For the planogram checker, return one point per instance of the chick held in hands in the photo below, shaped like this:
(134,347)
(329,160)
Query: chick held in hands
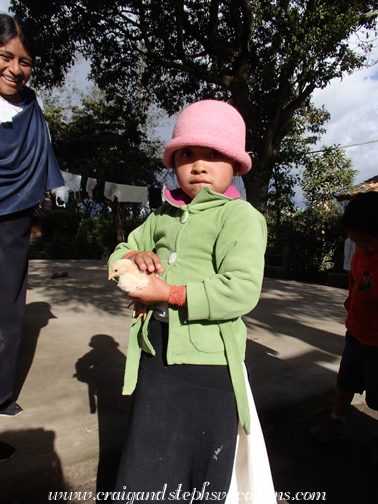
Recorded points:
(130,277)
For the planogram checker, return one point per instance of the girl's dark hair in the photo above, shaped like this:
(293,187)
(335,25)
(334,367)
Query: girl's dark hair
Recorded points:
(11,28)
(361,213)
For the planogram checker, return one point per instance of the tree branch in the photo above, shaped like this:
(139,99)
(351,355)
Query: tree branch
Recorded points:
(368,15)
(180,27)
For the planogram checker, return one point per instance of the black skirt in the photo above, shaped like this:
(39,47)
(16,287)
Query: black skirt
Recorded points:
(14,249)
(182,430)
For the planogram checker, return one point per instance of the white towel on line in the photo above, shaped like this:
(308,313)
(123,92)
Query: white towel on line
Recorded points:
(91,184)
(125,193)
(72,183)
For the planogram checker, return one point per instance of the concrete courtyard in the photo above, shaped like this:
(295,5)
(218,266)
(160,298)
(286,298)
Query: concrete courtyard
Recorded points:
(71,371)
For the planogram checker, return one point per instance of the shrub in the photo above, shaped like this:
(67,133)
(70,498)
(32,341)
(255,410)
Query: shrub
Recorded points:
(66,234)
(312,244)
(130,224)
(94,239)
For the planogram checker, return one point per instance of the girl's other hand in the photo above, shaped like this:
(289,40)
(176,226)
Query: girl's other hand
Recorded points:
(147,261)
(157,291)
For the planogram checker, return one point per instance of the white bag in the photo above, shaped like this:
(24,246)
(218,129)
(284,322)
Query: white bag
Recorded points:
(251,476)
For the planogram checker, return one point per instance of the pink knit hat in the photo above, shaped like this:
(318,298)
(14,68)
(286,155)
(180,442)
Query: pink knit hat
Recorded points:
(210,123)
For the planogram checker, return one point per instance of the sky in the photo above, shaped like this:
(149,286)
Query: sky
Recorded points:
(353,105)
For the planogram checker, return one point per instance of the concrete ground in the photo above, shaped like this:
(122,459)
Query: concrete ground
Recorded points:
(71,371)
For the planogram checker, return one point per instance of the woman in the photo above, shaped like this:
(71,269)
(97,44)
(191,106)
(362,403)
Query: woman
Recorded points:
(27,169)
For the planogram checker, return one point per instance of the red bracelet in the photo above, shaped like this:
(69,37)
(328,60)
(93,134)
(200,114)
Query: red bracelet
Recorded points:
(176,295)
(130,254)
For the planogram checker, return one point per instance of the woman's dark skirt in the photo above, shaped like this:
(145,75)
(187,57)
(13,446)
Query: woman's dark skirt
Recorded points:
(182,429)
(14,250)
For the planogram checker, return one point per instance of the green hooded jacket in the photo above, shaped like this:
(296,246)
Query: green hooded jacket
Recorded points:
(215,247)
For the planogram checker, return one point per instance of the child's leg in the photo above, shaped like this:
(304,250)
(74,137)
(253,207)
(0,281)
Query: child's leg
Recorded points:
(334,427)
(350,379)
(371,379)
(358,372)
(341,403)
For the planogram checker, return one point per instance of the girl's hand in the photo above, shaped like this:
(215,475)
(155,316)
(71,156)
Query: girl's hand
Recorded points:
(157,291)
(147,261)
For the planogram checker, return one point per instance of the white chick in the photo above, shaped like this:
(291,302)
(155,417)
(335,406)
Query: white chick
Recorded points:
(130,277)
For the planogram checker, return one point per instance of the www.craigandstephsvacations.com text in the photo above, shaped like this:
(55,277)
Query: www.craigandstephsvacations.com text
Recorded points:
(177,495)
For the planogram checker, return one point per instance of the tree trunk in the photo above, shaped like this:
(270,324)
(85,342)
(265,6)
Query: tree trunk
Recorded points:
(257,182)
(117,220)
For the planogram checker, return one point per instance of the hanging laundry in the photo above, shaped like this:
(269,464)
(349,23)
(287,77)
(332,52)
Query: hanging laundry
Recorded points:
(110,190)
(91,184)
(72,183)
(349,248)
(125,193)
(61,196)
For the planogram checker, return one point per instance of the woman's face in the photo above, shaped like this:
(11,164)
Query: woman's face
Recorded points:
(15,68)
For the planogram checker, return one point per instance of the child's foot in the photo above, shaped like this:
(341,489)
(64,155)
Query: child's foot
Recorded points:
(333,428)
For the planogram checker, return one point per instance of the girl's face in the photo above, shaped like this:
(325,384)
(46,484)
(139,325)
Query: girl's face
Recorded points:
(197,167)
(15,68)
(366,242)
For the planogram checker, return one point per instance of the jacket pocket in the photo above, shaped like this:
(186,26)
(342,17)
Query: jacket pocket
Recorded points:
(205,336)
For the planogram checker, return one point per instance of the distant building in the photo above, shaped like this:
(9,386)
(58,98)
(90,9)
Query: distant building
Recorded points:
(369,185)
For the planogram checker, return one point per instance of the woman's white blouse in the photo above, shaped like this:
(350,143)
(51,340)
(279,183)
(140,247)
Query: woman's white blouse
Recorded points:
(9,109)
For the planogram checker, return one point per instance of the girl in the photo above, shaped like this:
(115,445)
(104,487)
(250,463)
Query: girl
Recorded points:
(27,169)
(207,247)
(359,364)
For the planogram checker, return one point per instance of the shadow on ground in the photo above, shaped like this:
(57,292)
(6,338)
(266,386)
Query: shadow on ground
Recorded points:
(295,344)
(102,369)
(86,284)
(34,470)
(37,315)
(296,336)
(342,470)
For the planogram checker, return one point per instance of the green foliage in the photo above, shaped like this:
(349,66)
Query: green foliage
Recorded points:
(104,138)
(94,239)
(325,176)
(267,57)
(65,221)
(130,224)
(108,138)
(295,165)
(312,233)
(67,234)
(312,242)
(280,197)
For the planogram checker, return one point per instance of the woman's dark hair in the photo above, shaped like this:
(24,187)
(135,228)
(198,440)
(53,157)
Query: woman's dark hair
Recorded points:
(361,213)
(11,28)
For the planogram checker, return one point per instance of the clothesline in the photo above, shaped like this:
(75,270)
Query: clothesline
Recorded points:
(345,146)
(124,193)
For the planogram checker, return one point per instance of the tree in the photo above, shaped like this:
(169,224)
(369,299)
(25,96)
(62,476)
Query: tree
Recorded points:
(107,140)
(265,56)
(326,175)
(294,155)
(313,232)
